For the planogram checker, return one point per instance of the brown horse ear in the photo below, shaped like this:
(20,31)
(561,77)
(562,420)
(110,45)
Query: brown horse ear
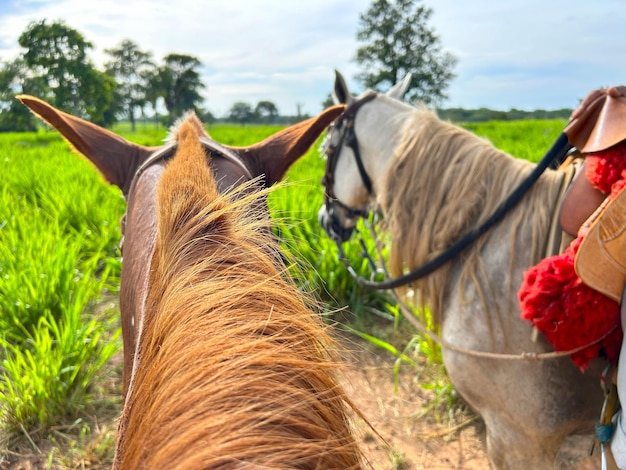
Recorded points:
(116,158)
(274,155)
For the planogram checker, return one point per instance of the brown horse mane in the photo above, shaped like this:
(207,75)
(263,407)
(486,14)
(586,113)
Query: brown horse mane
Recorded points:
(443,181)
(233,370)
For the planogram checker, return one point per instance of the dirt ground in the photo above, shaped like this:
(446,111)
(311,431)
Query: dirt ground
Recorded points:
(418,432)
(406,417)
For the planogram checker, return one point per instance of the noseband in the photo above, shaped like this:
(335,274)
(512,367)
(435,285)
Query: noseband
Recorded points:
(345,126)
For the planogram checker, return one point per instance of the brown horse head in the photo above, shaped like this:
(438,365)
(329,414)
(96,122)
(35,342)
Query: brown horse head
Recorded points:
(136,170)
(231,369)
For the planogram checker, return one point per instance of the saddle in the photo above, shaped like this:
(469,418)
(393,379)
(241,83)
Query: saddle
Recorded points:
(600,262)
(600,120)
(573,297)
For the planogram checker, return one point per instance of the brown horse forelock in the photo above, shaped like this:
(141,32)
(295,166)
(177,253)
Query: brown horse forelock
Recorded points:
(233,369)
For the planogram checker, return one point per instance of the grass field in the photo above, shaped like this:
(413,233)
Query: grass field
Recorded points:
(60,264)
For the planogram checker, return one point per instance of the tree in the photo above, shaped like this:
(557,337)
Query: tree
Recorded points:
(208,117)
(100,98)
(398,41)
(266,110)
(328,101)
(129,66)
(15,79)
(180,83)
(58,54)
(154,90)
(240,112)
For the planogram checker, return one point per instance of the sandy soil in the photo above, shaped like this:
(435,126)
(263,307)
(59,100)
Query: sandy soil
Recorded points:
(419,432)
(407,419)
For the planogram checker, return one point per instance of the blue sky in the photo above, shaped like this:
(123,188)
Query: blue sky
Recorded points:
(524,54)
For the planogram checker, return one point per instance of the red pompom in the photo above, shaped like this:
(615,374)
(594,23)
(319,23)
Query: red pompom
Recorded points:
(617,188)
(569,313)
(552,296)
(604,169)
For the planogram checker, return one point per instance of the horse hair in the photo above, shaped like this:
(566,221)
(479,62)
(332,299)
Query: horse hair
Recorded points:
(233,369)
(465,179)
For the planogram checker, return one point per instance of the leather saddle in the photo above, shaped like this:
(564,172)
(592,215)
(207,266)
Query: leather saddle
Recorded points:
(601,258)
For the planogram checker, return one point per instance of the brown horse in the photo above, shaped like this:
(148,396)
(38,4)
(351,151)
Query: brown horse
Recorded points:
(225,366)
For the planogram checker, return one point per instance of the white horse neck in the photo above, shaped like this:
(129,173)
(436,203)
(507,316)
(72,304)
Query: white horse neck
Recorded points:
(377,126)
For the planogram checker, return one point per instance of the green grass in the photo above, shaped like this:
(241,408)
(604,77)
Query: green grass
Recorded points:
(529,140)
(59,232)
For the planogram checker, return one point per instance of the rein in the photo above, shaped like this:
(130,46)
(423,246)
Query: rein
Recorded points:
(524,355)
(557,152)
(489,355)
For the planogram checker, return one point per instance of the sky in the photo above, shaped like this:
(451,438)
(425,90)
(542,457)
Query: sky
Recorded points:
(524,54)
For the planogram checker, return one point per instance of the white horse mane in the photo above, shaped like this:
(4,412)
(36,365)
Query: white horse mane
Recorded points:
(444,181)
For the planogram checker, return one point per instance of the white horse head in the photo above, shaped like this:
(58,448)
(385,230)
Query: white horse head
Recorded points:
(357,153)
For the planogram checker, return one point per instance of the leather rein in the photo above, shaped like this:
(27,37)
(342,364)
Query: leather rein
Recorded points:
(345,124)
(553,157)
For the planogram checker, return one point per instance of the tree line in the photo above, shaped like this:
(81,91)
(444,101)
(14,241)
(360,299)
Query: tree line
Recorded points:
(485,114)
(56,67)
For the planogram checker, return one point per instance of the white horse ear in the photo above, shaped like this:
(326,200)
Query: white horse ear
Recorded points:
(399,89)
(341,94)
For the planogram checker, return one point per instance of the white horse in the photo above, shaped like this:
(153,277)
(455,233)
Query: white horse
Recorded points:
(434,182)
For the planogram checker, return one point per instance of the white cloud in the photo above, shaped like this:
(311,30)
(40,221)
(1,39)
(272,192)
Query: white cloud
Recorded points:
(532,53)
(520,53)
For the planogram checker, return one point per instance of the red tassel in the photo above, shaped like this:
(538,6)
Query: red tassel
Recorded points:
(569,313)
(604,169)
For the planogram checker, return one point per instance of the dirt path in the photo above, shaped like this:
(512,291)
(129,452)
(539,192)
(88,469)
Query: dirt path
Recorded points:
(406,418)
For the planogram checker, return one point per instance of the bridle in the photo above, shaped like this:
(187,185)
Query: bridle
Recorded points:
(166,152)
(345,126)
